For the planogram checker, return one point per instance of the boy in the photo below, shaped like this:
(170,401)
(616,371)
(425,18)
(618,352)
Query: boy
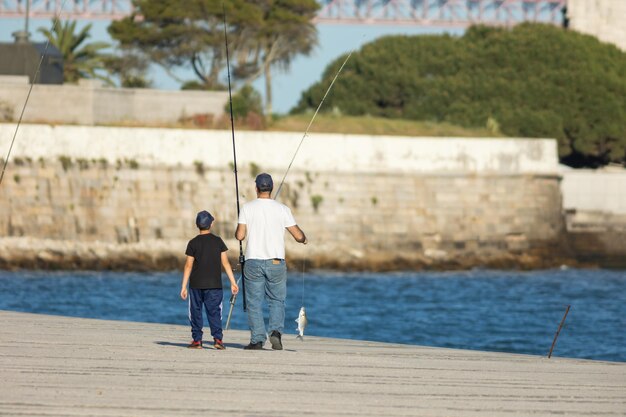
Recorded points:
(202,272)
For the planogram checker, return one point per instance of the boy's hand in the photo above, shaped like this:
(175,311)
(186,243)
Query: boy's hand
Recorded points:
(183,293)
(234,288)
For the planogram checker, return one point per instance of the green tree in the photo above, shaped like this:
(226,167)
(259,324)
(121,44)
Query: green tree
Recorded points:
(80,59)
(287,30)
(261,34)
(129,67)
(176,33)
(247,100)
(532,81)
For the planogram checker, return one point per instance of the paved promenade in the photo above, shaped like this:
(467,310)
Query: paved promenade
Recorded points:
(60,366)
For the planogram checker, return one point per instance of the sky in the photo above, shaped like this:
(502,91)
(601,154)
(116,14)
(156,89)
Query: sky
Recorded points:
(333,41)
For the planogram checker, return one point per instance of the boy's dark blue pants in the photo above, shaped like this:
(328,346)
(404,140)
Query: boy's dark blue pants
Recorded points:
(212,301)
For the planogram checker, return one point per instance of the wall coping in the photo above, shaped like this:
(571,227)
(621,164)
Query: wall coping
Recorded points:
(274,150)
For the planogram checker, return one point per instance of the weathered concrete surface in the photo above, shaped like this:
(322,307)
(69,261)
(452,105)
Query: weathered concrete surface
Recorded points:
(272,151)
(601,18)
(89,103)
(594,190)
(595,215)
(58,366)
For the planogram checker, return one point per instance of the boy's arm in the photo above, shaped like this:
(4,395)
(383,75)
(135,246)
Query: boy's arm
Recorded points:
(234,288)
(186,274)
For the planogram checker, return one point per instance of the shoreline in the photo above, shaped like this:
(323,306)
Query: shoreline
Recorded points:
(159,255)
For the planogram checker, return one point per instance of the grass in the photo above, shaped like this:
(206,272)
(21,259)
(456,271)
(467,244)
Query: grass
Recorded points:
(367,125)
(328,123)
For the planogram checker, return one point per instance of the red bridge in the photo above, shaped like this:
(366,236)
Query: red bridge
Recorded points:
(458,13)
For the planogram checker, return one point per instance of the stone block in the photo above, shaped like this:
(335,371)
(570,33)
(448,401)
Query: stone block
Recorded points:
(517,242)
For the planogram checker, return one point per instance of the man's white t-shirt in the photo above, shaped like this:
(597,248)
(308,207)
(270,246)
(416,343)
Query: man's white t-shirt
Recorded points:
(265,220)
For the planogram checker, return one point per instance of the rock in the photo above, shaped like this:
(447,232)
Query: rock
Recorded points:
(436,254)
(151,255)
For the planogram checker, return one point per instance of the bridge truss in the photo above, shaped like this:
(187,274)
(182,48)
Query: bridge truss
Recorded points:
(72,9)
(442,12)
(456,13)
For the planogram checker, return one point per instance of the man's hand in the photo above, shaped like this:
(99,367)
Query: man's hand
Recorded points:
(183,293)
(234,288)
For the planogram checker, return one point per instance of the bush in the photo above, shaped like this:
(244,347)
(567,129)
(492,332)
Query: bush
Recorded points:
(531,81)
(197,85)
(245,101)
(6,112)
(193,85)
(136,81)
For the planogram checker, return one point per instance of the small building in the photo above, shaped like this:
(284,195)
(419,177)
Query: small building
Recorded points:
(22,58)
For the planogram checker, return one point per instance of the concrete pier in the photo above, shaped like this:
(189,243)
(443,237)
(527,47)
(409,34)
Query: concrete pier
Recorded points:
(61,366)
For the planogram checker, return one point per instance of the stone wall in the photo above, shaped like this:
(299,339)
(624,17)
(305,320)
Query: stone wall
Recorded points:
(88,103)
(595,211)
(595,190)
(604,19)
(364,202)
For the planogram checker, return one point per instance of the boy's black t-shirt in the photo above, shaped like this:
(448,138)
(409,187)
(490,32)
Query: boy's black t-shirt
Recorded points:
(207,265)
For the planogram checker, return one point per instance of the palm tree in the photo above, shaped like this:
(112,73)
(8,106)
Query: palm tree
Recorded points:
(80,60)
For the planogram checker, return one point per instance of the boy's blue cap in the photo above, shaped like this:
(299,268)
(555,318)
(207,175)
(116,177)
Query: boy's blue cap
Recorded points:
(204,220)
(264,182)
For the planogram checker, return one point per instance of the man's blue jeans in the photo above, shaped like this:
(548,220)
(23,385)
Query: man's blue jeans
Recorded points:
(265,279)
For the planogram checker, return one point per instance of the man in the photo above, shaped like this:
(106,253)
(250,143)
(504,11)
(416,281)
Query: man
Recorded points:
(264,221)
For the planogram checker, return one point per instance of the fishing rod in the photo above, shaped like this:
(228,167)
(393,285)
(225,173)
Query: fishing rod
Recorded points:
(558,331)
(242,258)
(306,132)
(32,83)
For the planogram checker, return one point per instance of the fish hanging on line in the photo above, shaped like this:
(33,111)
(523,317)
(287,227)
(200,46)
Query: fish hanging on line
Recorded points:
(302,322)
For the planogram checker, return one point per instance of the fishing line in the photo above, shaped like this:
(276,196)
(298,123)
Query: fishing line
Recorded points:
(30,89)
(306,132)
(303,266)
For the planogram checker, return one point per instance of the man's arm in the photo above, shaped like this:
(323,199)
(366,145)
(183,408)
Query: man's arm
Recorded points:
(240,233)
(186,273)
(297,234)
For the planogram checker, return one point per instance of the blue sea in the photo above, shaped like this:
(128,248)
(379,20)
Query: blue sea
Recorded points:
(489,310)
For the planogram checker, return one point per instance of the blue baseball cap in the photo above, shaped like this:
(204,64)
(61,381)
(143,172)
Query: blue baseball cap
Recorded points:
(264,182)
(204,220)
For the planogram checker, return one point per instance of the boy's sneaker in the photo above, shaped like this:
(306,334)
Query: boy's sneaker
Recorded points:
(196,344)
(275,340)
(217,344)
(254,346)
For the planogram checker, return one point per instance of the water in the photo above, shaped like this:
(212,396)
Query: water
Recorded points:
(484,310)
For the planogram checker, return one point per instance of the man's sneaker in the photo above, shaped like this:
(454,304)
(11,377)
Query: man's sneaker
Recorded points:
(254,346)
(275,340)
(217,344)
(196,344)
